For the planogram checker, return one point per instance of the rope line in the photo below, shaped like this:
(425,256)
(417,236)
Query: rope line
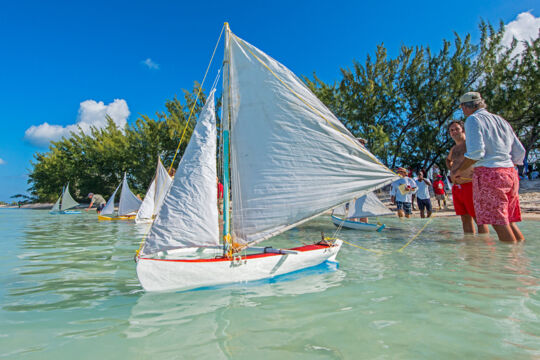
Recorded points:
(390,252)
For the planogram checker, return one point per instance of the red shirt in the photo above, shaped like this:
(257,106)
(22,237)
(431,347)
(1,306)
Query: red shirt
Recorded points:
(438,187)
(219,190)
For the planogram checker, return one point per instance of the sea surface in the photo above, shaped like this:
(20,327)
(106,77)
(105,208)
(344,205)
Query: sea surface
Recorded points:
(69,290)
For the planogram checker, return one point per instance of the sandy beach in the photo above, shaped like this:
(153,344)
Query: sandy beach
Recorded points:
(529,197)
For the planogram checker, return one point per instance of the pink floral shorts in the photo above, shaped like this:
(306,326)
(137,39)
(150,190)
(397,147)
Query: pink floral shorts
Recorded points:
(495,195)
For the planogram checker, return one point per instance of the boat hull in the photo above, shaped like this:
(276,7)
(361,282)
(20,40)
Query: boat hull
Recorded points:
(357,225)
(113,218)
(65,212)
(165,274)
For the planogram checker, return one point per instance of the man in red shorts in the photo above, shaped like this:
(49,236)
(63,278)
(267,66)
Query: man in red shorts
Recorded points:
(494,149)
(462,188)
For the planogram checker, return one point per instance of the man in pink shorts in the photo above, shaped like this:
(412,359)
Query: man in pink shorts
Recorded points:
(462,189)
(494,149)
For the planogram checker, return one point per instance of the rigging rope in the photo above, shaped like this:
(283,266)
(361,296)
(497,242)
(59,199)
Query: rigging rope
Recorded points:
(197,98)
(349,138)
(390,252)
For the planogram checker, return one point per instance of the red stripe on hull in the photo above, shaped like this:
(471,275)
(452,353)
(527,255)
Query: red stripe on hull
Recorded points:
(247,257)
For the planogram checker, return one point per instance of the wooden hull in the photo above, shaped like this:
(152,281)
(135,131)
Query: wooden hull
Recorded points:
(356,225)
(113,218)
(192,272)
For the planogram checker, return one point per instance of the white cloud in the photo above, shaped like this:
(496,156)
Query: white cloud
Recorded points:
(524,28)
(91,114)
(151,64)
(2,162)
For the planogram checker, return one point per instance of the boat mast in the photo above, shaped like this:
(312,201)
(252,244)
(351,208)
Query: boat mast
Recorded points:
(225,152)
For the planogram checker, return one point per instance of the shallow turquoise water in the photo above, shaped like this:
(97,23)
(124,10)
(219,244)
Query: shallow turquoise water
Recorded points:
(68,289)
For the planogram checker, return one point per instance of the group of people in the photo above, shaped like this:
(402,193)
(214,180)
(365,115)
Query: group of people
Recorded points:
(482,164)
(404,191)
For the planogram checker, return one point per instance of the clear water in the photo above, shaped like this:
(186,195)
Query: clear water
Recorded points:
(68,289)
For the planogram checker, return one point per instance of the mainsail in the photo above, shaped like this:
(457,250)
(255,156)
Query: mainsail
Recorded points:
(129,203)
(291,158)
(189,213)
(67,201)
(155,194)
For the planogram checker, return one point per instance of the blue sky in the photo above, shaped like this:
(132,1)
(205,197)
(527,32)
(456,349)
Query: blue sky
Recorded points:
(70,62)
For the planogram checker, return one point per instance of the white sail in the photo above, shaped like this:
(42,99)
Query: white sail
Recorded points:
(189,214)
(109,207)
(67,201)
(56,206)
(291,158)
(155,194)
(163,182)
(147,206)
(129,203)
(366,206)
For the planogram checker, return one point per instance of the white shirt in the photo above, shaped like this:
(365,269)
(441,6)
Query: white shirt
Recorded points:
(491,141)
(394,191)
(423,190)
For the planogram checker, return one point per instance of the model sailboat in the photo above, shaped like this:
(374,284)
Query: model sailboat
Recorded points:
(154,196)
(366,206)
(128,207)
(64,203)
(290,161)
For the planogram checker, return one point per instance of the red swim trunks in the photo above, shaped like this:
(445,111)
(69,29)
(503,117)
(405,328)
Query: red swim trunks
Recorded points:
(462,195)
(495,195)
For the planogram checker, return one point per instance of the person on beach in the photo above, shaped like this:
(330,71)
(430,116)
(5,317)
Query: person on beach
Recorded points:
(96,199)
(401,193)
(462,189)
(438,189)
(493,148)
(220,195)
(423,198)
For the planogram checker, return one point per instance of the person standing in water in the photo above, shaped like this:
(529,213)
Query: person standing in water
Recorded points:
(462,188)
(493,148)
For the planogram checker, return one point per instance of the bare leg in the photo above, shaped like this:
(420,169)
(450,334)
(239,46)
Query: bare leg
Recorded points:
(483,229)
(517,233)
(429,213)
(400,213)
(505,233)
(422,214)
(468,224)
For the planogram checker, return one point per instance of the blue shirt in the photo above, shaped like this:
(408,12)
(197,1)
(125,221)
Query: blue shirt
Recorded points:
(394,191)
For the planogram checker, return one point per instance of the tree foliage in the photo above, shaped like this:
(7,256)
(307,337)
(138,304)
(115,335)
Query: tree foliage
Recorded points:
(402,106)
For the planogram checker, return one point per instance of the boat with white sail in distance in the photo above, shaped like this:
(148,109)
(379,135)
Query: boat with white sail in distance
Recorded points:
(64,203)
(289,159)
(127,208)
(154,196)
(367,206)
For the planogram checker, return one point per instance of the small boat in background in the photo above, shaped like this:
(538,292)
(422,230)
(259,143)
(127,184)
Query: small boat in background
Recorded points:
(366,206)
(64,202)
(128,207)
(154,196)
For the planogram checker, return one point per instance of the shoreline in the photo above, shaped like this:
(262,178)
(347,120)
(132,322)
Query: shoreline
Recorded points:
(529,199)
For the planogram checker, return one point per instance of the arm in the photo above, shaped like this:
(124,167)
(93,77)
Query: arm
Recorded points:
(449,159)
(91,203)
(518,151)
(474,142)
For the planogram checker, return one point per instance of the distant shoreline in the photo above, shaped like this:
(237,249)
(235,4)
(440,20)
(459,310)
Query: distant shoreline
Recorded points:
(529,198)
